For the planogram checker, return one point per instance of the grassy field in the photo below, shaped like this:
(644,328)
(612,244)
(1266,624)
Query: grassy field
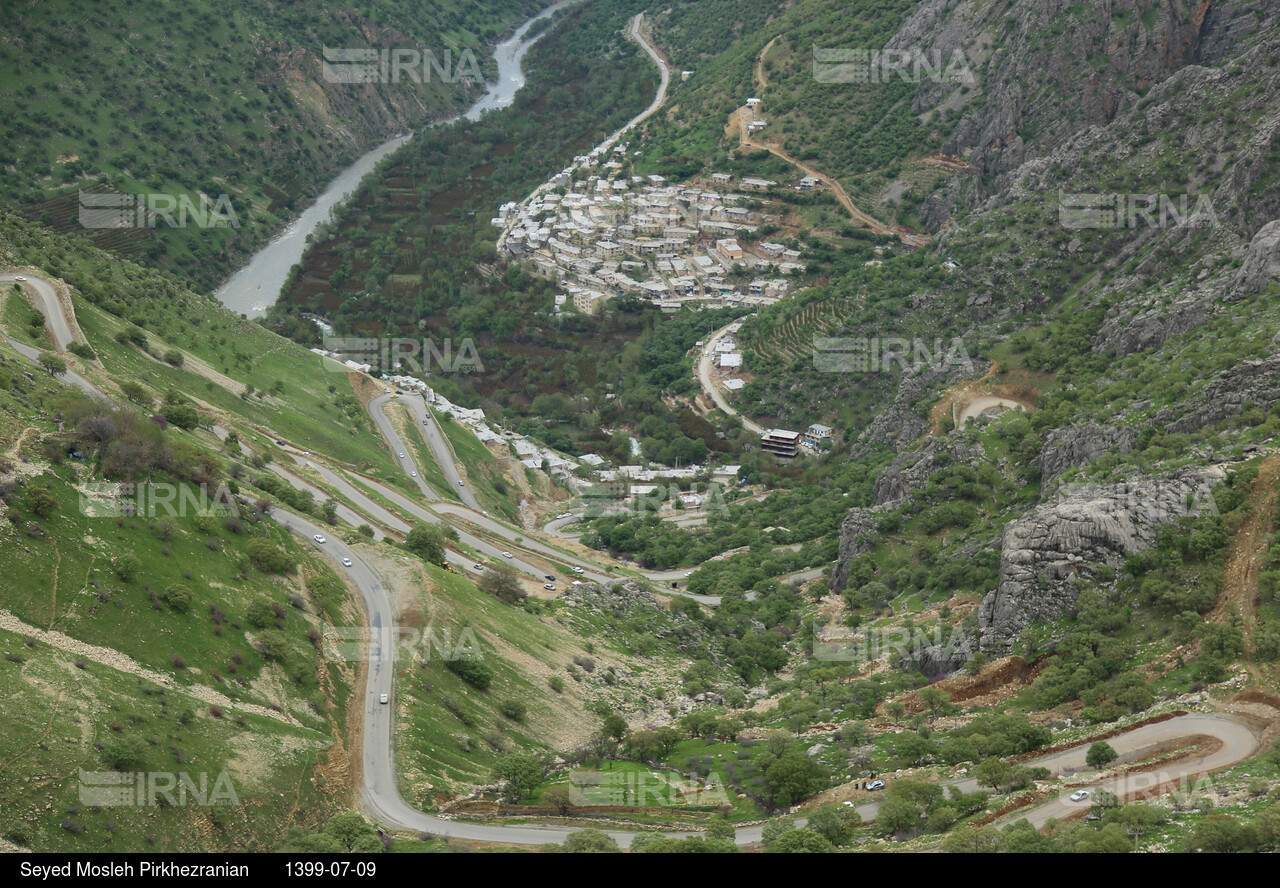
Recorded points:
(260,775)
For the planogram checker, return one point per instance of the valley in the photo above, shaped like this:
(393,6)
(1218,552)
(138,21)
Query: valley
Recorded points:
(884,471)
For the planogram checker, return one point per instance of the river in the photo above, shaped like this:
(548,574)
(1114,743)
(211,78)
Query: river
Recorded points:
(257,285)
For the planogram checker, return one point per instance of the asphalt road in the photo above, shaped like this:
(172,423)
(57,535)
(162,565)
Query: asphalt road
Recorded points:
(380,794)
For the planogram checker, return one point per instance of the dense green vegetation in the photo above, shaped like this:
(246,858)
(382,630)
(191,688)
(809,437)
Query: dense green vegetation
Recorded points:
(221,100)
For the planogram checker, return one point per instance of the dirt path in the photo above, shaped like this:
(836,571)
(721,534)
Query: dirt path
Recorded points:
(1240,576)
(777,151)
(761,81)
(124,663)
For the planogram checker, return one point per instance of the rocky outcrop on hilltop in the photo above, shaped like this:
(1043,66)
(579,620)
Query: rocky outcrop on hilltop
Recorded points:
(1087,526)
(1074,447)
(1031,95)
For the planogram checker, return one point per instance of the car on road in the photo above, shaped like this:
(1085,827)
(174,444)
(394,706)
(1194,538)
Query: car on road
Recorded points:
(281,443)
(550,586)
(577,570)
(346,562)
(484,513)
(876,784)
(401,456)
(688,573)
(506,554)
(478,566)
(18,277)
(383,698)
(549,578)
(1080,795)
(413,474)
(386,391)
(318,538)
(462,483)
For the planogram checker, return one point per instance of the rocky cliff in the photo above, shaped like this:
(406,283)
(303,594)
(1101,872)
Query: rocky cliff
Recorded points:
(1085,526)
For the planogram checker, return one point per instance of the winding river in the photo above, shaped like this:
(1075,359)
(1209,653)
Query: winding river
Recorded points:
(256,286)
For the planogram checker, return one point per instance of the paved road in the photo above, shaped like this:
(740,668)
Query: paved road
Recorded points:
(664,71)
(708,383)
(46,299)
(441,448)
(407,463)
(381,797)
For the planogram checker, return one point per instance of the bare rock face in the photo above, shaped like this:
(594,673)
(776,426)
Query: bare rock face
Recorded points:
(1254,382)
(1261,260)
(1124,332)
(1088,525)
(1077,446)
(617,598)
(856,534)
(910,471)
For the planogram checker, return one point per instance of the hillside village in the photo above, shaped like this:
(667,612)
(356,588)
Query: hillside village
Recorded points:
(605,234)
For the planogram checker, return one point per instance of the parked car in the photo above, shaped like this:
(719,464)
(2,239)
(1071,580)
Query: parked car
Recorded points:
(319,539)
(1080,795)
(549,586)
(876,784)
(346,562)
(383,698)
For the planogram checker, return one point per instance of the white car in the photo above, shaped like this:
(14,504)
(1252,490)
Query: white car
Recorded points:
(18,277)
(1080,795)
(688,573)
(462,484)
(577,570)
(876,784)
(402,456)
(478,566)
(506,554)
(318,538)
(346,562)
(386,391)
(383,698)
(414,474)
(550,586)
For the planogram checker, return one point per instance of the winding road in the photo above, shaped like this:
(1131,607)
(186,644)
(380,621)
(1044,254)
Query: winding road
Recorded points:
(379,792)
